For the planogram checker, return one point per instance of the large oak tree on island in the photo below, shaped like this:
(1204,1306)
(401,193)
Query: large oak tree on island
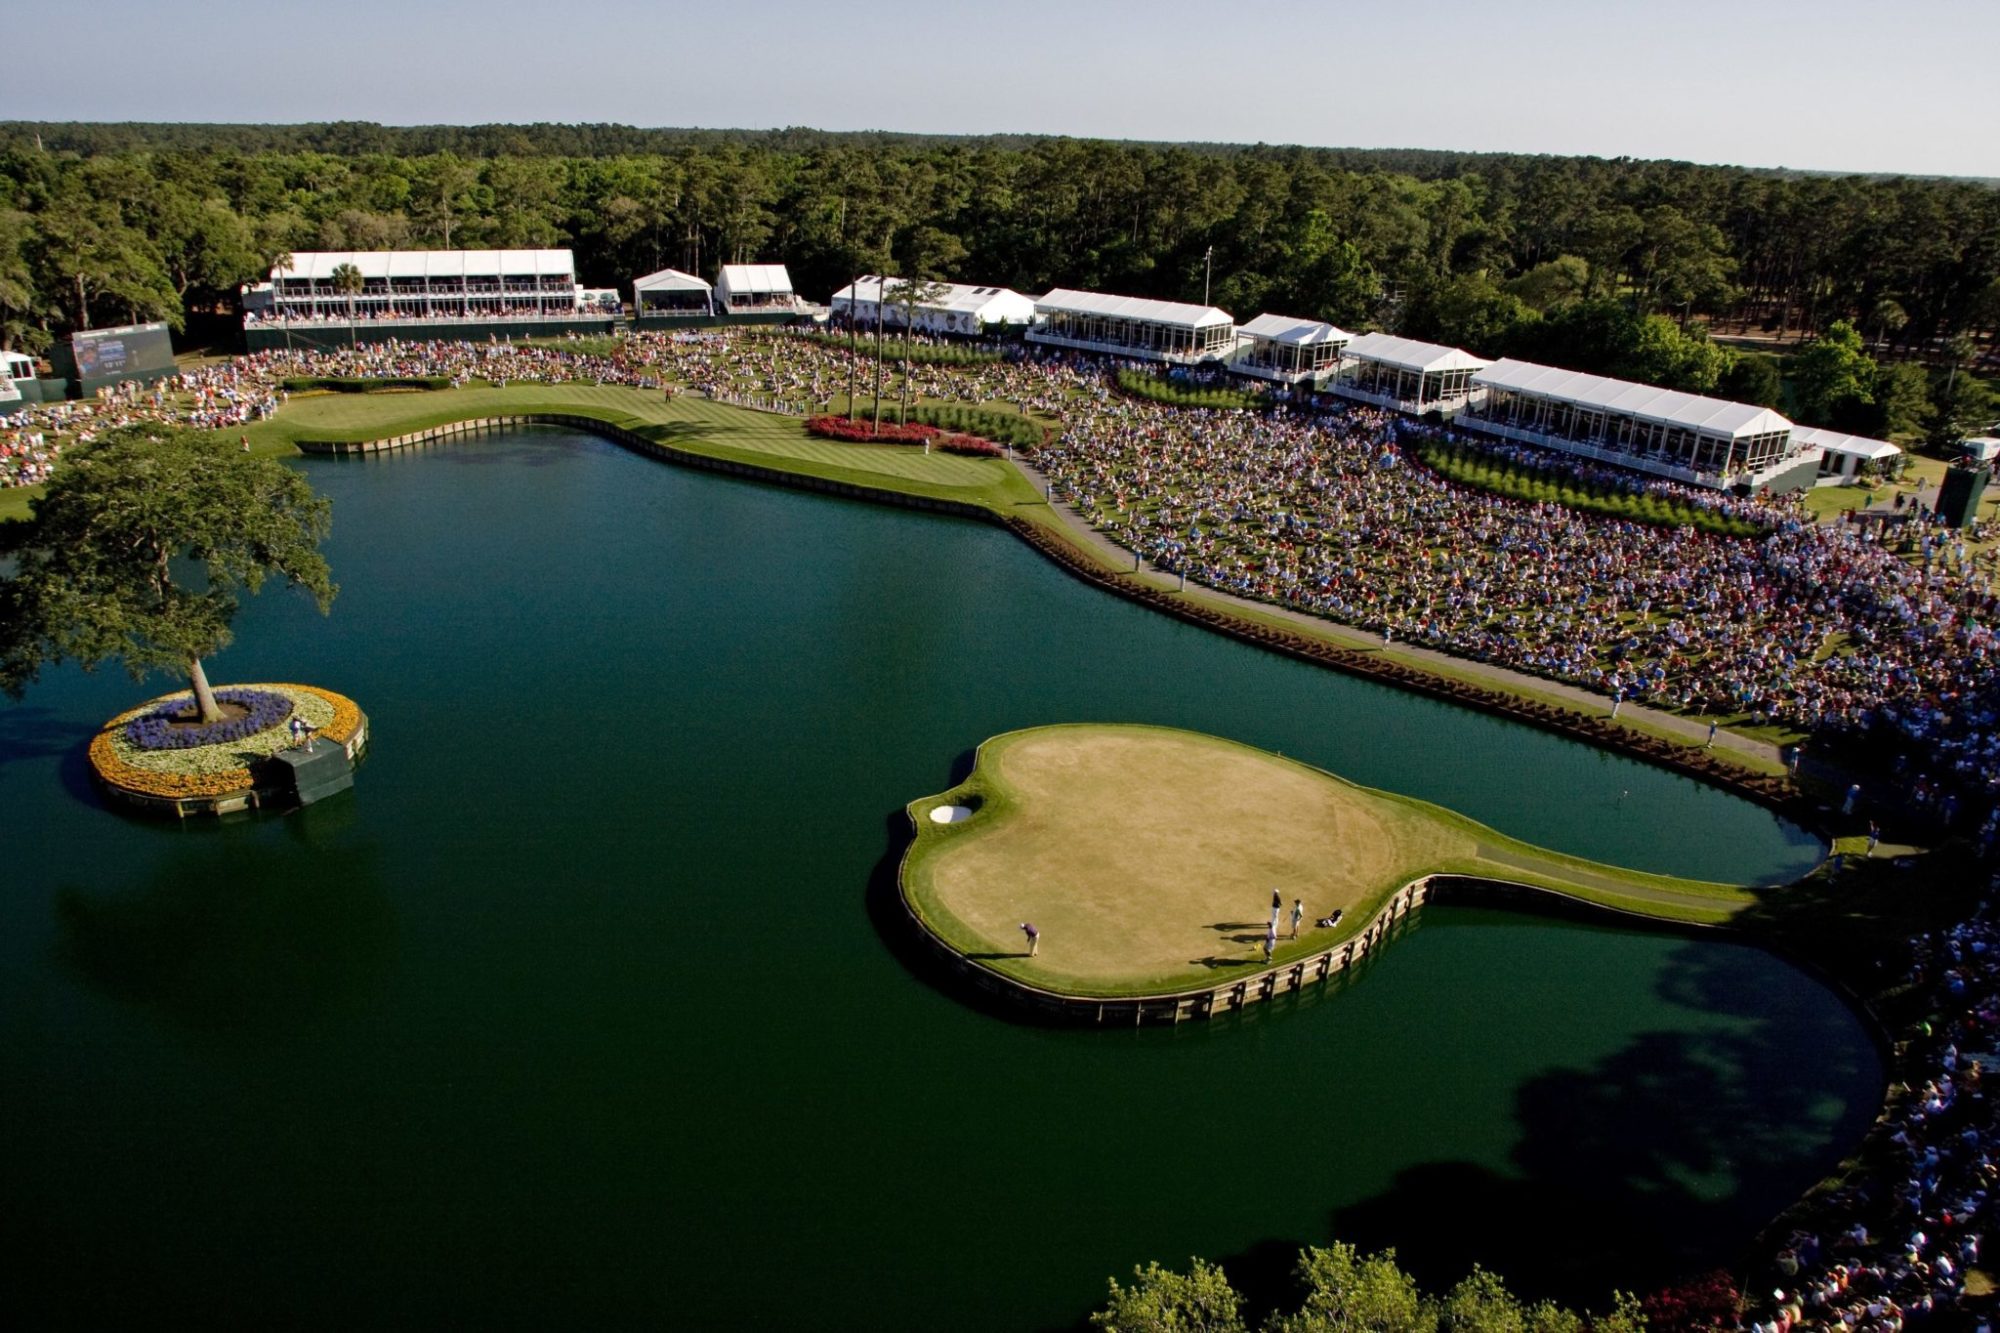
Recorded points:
(139,548)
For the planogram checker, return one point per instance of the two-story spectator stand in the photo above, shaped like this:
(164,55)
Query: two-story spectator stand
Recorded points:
(419,294)
(1689,438)
(1132,326)
(1287,350)
(1404,374)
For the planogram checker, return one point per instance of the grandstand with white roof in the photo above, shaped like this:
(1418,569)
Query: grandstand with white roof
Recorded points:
(1702,441)
(515,291)
(1288,350)
(1132,326)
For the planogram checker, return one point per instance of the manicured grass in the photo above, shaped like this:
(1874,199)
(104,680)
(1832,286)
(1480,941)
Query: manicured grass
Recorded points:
(1147,857)
(1824,500)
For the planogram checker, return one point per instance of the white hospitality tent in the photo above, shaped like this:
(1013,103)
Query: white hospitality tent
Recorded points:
(1279,347)
(755,287)
(1404,373)
(951,307)
(672,292)
(1704,441)
(1842,455)
(1132,326)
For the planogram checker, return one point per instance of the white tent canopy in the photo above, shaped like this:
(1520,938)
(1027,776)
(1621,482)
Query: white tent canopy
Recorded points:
(1408,354)
(951,307)
(670,280)
(765,284)
(1292,332)
(671,293)
(318,265)
(1135,308)
(1858,446)
(1641,402)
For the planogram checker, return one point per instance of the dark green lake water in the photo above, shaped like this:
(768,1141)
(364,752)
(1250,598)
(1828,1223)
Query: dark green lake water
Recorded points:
(574,1011)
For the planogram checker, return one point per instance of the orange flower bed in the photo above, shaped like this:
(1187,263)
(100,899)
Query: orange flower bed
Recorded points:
(118,773)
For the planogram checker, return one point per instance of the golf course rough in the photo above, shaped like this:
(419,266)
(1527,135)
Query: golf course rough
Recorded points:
(1146,857)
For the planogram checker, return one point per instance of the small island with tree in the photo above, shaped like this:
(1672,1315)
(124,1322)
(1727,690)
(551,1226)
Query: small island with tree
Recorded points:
(139,551)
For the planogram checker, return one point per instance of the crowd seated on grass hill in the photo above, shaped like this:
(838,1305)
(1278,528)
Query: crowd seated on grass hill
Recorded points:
(1818,626)
(1905,1236)
(1328,509)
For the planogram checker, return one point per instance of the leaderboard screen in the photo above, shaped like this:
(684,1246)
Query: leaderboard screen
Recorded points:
(111,354)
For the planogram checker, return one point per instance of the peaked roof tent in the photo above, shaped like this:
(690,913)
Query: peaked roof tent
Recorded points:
(1642,402)
(756,280)
(1132,307)
(1409,354)
(670,280)
(318,265)
(1812,437)
(954,296)
(1295,332)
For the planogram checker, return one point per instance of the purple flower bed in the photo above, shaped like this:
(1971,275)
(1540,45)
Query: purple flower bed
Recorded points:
(154,730)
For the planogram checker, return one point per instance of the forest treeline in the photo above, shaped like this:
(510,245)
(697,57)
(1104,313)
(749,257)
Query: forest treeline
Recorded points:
(1616,266)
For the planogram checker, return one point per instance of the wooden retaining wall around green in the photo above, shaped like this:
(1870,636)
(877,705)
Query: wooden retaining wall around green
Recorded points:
(1173,1007)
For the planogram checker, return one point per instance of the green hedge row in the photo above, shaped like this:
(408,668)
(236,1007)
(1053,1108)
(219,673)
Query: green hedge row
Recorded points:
(923,354)
(334,384)
(1476,468)
(1140,384)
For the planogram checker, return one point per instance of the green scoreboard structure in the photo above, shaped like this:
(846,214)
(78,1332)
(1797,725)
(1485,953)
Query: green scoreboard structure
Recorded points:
(102,357)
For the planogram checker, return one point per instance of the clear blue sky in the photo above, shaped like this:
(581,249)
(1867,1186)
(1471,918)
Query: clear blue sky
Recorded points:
(1885,85)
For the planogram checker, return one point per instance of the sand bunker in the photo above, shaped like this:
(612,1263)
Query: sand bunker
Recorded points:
(951,814)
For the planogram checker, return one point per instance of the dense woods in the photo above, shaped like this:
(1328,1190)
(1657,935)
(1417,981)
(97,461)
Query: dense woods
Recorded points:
(1617,266)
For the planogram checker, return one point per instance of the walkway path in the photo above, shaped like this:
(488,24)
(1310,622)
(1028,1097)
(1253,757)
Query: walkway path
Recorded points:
(1429,659)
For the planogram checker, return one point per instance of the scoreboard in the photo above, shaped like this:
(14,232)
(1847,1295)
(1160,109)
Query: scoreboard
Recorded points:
(109,356)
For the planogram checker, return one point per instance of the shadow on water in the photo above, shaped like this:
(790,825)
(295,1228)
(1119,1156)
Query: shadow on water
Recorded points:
(228,937)
(34,733)
(1620,1179)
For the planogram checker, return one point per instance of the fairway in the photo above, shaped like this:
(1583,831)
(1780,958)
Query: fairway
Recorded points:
(1146,857)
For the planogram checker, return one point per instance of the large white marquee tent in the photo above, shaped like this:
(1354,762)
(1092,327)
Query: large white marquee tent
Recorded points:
(1706,441)
(951,307)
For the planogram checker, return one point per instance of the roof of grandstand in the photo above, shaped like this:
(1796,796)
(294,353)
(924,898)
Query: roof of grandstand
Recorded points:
(1812,437)
(954,296)
(670,280)
(1409,354)
(319,265)
(1133,307)
(756,279)
(1642,402)
(1287,329)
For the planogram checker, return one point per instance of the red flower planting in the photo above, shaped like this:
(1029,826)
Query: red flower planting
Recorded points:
(861,432)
